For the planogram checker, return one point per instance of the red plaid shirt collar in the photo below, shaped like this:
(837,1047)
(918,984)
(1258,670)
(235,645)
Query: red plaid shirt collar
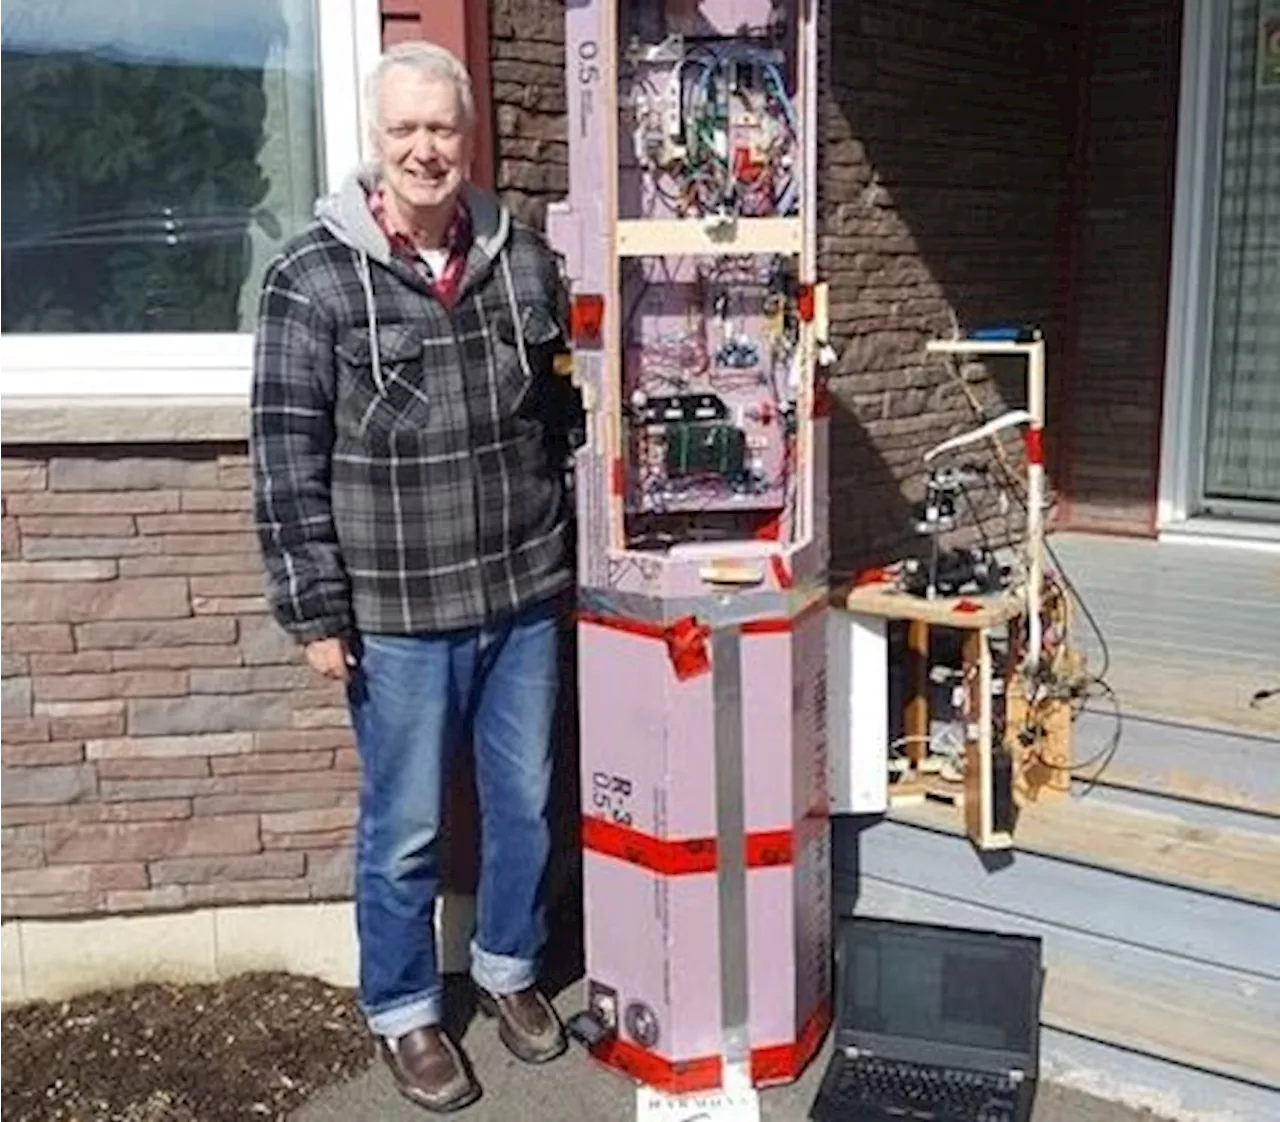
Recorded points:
(457,245)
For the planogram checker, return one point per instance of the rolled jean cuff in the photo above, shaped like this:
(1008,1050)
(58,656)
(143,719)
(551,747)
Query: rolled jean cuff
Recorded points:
(405,1016)
(500,974)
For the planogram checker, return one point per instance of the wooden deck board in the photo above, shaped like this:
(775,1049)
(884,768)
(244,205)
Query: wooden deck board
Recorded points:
(1205,1016)
(1100,902)
(1194,631)
(1137,843)
(1234,769)
(1167,1020)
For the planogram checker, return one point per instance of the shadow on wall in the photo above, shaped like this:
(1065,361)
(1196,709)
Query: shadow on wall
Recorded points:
(948,134)
(944,180)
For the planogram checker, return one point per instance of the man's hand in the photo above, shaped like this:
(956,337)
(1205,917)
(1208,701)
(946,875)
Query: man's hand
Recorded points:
(331,657)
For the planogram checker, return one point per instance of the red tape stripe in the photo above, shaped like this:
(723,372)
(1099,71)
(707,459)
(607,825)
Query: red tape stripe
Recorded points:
(774,847)
(780,571)
(781,625)
(622,623)
(783,1063)
(683,1078)
(774,626)
(765,849)
(1034,442)
(777,1063)
(669,858)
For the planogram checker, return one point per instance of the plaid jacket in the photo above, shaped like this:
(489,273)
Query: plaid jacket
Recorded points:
(404,452)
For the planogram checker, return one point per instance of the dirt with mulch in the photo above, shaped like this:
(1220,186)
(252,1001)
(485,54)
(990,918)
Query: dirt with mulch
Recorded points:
(254,1047)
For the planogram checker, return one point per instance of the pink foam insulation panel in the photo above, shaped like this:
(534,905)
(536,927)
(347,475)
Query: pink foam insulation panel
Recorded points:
(699,346)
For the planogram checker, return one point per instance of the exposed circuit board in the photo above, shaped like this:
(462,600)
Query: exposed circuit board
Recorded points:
(710,344)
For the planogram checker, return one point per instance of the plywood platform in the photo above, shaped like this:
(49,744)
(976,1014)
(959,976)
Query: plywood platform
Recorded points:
(965,612)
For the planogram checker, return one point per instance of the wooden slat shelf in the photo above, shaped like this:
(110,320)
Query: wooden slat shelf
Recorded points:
(965,612)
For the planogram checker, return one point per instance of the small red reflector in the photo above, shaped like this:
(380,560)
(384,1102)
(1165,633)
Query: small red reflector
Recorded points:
(805,303)
(872,576)
(586,319)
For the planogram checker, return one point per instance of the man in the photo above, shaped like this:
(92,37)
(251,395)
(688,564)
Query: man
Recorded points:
(411,510)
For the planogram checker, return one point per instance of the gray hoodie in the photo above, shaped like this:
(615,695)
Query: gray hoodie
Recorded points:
(345,214)
(406,454)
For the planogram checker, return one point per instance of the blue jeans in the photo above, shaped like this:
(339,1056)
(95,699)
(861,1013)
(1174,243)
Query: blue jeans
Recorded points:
(413,701)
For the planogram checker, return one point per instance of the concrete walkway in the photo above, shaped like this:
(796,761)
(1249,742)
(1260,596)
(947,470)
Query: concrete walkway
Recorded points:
(575,1089)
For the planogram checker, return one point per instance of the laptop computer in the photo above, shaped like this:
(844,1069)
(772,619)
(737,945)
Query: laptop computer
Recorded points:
(933,1024)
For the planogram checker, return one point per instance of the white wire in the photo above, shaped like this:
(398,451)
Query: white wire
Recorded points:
(1004,421)
(942,744)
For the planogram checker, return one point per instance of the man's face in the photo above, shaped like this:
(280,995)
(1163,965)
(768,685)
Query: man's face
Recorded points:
(422,141)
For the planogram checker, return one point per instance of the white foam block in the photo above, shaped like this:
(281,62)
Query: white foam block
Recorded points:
(857,713)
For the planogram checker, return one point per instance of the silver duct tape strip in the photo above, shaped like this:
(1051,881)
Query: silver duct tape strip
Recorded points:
(731,865)
(714,610)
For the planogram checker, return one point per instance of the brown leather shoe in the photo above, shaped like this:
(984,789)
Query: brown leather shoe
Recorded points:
(430,1070)
(527,1024)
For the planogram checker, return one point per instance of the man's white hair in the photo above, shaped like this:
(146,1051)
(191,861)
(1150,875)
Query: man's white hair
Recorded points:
(430,60)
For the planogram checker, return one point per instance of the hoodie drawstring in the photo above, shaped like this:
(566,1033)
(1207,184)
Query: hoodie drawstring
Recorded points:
(375,355)
(516,321)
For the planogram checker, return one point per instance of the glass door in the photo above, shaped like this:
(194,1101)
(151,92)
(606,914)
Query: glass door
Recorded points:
(1240,469)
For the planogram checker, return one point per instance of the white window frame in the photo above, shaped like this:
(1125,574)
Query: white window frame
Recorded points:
(205,364)
(1199,141)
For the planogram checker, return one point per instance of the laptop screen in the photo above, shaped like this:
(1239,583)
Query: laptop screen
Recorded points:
(948,987)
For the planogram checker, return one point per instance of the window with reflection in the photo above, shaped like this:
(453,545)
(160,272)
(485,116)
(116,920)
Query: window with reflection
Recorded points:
(154,154)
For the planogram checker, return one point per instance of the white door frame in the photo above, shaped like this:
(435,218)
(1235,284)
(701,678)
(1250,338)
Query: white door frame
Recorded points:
(1205,25)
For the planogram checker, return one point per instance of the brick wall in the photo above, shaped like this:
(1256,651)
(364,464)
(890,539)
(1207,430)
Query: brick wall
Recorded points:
(163,747)
(1121,274)
(527,59)
(948,132)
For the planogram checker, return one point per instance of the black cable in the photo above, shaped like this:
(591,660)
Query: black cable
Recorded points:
(1107,754)
(1067,582)
(1263,695)
(979,520)
(1103,647)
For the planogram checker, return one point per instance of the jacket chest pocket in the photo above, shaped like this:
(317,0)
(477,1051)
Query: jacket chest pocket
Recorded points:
(385,378)
(524,353)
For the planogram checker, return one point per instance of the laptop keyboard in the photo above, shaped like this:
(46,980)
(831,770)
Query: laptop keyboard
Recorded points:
(912,1091)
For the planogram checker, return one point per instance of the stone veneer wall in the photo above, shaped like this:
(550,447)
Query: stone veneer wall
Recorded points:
(163,746)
